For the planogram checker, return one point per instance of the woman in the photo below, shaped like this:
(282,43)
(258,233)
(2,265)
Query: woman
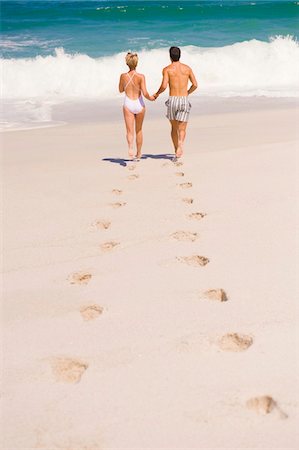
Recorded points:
(133,84)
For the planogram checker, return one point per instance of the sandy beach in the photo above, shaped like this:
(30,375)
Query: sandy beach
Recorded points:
(151,305)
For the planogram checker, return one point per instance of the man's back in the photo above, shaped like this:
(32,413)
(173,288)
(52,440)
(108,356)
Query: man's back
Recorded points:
(178,76)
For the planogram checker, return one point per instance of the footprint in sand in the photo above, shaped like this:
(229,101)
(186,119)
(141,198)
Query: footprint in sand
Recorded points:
(218,295)
(80,278)
(194,260)
(107,246)
(117,191)
(184,236)
(178,163)
(118,205)
(132,167)
(185,185)
(196,215)
(134,176)
(235,342)
(68,370)
(180,174)
(264,404)
(189,201)
(91,312)
(101,225)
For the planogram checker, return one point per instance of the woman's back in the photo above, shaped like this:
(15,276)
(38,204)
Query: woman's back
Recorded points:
(132,85)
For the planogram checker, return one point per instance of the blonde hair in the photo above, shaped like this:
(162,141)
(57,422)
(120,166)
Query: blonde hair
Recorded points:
(132,60)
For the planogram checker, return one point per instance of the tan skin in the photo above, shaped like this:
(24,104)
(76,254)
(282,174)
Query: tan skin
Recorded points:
(177,77)
(134,121)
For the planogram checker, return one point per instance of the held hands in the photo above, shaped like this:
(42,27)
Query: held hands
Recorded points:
(154,97)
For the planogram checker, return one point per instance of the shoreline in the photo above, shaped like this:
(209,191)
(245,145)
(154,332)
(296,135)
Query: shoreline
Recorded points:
(74,112)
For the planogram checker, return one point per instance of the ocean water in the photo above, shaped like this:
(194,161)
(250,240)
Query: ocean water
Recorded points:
(53,51)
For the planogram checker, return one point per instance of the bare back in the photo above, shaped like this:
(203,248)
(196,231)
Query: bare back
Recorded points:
(178,76)
(132,84)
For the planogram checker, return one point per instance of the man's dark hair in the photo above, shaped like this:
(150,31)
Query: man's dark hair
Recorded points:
(175,53)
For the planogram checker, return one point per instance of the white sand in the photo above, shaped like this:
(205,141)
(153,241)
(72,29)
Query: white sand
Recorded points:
(146,372)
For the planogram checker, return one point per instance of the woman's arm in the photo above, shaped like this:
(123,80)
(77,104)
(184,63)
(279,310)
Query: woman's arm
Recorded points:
(121,84)
(144,90)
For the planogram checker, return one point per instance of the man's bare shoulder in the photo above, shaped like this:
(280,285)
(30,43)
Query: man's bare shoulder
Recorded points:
(167,68)
(186,68)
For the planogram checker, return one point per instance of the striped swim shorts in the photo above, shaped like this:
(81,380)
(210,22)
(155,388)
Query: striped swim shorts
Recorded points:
(178,108)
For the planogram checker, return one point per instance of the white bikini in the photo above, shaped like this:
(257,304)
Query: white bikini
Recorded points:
(135,106)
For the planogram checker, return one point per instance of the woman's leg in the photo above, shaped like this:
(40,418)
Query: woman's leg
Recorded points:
(138,129)
(129,121)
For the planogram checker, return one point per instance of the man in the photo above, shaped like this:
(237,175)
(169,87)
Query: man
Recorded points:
(177,75)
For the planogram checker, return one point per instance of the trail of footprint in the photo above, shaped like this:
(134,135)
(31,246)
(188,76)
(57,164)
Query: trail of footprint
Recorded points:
(184,236)
(91,312)
(80,278)
(134,176)
(218,295)
(265,404)
(196,215)
(194,260)
(118,205)
(101,225)
(107,246)
(117,191)
(189,201)
(68,370)
(235,342)
(185,185)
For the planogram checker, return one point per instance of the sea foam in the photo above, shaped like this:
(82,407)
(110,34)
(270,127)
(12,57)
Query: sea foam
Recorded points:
(247,68)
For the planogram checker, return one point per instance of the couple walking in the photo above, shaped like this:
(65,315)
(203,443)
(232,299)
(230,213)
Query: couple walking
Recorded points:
(176,75)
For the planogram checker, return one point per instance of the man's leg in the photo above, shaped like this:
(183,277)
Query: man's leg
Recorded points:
(182,126)
(174,134)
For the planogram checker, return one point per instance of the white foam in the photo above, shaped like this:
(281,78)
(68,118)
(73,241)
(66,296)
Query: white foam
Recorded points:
(248,68)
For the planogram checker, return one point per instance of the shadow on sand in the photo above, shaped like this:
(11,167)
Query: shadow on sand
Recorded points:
(124,162)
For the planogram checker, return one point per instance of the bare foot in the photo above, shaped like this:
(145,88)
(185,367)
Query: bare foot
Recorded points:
(131,153)
(179,150)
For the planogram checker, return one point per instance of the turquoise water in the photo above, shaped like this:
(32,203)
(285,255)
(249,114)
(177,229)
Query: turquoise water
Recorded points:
(54,52)
(99,28)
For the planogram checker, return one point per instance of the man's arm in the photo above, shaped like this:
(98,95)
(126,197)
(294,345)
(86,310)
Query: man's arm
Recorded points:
(164,83)
(193,81)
